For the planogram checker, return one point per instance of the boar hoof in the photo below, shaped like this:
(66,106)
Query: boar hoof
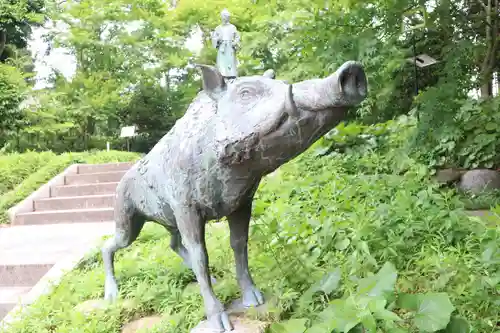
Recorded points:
(220,322)
(252,297)
(110,290)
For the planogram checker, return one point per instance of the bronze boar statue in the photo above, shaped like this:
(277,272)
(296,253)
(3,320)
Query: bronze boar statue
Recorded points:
(210,163)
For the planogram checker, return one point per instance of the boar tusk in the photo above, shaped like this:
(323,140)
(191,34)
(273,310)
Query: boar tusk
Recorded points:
(290,106)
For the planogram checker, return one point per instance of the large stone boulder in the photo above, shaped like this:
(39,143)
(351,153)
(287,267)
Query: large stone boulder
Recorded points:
(479,180)
(142,325)
(450,175)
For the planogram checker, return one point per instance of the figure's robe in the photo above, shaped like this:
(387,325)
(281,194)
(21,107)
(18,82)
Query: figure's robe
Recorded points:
(226,39)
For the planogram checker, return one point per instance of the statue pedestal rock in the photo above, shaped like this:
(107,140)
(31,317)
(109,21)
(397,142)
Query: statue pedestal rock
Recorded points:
(226,40)
(241,323)
(142,324)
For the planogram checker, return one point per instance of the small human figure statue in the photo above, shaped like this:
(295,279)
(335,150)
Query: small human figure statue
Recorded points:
(226,40)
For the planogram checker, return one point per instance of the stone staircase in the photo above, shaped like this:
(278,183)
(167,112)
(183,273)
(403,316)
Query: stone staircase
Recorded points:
(67,218)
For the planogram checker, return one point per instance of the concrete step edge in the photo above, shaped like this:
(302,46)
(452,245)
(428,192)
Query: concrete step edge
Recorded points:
(120,166)
(64,211)
(106,164)
(13,294)
(80,197)
(86,185)
(98,173)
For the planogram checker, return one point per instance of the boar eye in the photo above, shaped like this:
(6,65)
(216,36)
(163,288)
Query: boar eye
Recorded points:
(247,93)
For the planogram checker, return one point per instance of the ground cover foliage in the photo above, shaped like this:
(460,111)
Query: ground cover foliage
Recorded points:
(356,241)
(21,174)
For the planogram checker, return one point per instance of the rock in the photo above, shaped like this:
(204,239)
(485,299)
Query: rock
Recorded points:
(241,325)
(145,323)
(449,175)
(237,308)
(479,180)
(92,305)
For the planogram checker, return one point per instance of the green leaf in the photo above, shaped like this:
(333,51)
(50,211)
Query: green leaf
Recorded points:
(330,281)
(491,126)
(408,301)
(342,314)
(381,283)
(369,323)
(457,325)
(290,326)
(386,315)
(342,244)
(397,330)
(433,312)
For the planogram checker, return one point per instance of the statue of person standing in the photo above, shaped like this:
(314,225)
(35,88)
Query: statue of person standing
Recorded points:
(226,40)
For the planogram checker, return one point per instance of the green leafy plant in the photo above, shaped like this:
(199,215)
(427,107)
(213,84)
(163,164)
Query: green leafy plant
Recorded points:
(458,132)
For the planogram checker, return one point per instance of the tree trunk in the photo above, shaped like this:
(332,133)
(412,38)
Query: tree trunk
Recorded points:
(488,65)
(3,41)
(486,90)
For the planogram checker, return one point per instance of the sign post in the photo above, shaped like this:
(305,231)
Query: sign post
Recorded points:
(128,132)
(416,19)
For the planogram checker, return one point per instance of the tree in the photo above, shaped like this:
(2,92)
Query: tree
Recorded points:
(12,88)
(17,17)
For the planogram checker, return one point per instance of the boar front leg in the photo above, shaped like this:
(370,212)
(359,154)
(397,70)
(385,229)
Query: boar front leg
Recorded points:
(192,229)
(239,222)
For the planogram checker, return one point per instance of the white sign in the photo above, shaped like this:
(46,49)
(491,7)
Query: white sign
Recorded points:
(423,60)
(127,132)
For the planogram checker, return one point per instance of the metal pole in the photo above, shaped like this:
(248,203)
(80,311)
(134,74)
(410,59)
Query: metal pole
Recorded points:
(415,67)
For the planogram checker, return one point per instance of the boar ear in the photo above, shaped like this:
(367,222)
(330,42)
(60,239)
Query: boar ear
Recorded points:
(269,74)
(213,81)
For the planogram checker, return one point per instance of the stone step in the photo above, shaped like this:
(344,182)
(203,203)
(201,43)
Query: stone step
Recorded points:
(35,245)
(4,310)
(12,294)
(78,202)
(65,216)
(106,167)
(10,297)
(33,256)
(94,178)
(83,190)
(22,275)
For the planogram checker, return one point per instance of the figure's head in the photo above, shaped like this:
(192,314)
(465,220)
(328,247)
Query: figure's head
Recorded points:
(225,16)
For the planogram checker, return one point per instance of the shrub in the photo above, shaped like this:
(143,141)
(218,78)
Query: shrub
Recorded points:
(12,88)
(457,132)
(14,168)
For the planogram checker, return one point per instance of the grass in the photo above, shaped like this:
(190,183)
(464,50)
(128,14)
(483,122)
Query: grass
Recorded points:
(343,242)
(21,174)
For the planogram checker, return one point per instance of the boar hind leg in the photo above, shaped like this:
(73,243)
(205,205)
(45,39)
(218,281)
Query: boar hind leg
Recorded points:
(128,225)
(239,222)
(180,249)
(192,229)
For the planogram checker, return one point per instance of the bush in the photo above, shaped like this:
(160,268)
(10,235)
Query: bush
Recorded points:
(42,167)
(12,88)
(335,244)
(456,132)
(358,138)
(14,168)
